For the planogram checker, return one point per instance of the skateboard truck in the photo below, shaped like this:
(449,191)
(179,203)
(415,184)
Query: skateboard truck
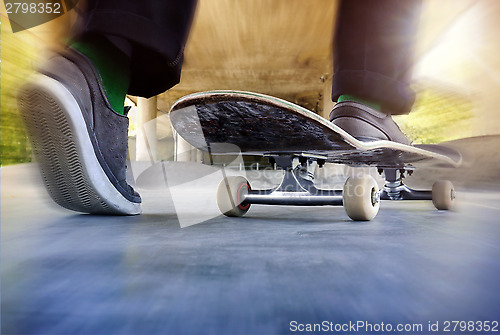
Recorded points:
(395,189)
(297,186)
(360,196)
(442,194)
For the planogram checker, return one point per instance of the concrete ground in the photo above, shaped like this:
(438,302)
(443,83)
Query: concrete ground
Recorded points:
(68,273)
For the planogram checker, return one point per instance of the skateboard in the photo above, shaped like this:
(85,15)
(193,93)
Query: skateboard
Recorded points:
(298,141)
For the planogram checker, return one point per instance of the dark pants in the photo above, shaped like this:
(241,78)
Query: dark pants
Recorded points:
(372,47)
(373,51)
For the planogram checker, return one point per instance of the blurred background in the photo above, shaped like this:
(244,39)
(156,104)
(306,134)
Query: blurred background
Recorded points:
(64,273)
(283,48)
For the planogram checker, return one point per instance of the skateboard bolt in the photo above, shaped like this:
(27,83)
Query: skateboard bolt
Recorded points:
(375,197)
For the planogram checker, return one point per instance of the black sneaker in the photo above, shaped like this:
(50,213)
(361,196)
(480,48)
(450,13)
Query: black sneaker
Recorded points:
(366,123)
(79,141)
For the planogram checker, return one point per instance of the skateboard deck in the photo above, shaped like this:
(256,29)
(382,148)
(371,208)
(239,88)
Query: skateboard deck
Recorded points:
(235,122)
(261,125)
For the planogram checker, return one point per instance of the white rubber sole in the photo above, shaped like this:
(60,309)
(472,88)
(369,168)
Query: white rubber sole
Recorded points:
(71,172)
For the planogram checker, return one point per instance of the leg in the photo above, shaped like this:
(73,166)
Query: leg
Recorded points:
(373,61)
(79,139)
(152,33)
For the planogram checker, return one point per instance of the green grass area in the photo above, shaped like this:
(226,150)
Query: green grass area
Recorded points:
(440,114)
(17,54)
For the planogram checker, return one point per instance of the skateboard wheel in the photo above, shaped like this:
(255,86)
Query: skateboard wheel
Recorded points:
(443,194)
(361,198)
(231,195)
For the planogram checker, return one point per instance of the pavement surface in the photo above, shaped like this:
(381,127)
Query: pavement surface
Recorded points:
(278,270)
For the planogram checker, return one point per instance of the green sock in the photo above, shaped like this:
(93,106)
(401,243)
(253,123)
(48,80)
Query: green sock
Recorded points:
(113,67)
(348,97)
